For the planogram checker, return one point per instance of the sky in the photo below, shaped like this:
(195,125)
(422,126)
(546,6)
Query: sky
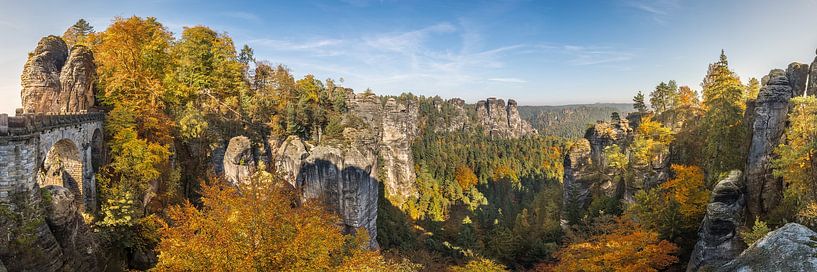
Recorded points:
(536,52)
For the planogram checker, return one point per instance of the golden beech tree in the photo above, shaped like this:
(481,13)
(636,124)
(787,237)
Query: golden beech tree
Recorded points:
(258,227)
(465,177)
(620,246)
(689,191)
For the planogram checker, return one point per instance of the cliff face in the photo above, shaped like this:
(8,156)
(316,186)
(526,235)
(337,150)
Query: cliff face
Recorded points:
(765,191)
(346,173)
(789,248)
(54,81)
(500,120)
(60,241)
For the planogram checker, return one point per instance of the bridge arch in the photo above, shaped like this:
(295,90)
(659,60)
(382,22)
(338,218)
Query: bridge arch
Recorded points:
(62,166)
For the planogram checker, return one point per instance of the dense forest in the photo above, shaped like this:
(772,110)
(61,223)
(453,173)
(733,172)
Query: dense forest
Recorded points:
(602,187)
(570,121)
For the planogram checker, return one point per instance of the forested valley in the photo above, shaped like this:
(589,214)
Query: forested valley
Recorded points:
(218,161)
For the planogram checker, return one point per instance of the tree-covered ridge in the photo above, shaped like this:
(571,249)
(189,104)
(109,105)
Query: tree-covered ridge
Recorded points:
(570,121)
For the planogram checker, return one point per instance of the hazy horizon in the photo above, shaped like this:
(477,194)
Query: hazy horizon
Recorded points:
(538,53)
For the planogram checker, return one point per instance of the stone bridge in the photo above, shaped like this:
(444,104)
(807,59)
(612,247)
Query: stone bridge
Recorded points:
(37,150)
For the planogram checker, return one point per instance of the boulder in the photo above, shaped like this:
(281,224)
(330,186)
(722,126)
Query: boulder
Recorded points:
(792,247)
(239,162)
(41,76)
(718,239)
(764,190)
(77,81)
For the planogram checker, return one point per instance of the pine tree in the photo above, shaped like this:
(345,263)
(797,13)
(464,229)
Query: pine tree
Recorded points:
(723,120)
(77,33)
(638,103)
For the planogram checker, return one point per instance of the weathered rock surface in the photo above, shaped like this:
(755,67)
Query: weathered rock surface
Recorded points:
(41,75)
(239,160)
(399,129)
(289,158)
(79,244)
(77,81)
(719,241)
(60,242)
(500,120)
(578,178)
(792,247)
(797,74)
(812,78)
(54,82)
(343,180)
(764,190)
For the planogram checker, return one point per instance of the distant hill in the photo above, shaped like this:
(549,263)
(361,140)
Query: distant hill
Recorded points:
(570,120)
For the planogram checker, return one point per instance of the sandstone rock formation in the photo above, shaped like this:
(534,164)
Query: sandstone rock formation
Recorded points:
(719,241)
(812,78)
(343,180)
(79,243)
(792,247)
(399,129)
(502,121)
(239,161)
(764,190)
(578,177)
(77,81)
(61,241)
(53,82)
(797,74)
(289,158)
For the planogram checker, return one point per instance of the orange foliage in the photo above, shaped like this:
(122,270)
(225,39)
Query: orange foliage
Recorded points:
(621,246)
(465,177)
(688,190)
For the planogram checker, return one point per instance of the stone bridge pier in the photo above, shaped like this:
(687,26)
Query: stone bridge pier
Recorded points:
(37,150)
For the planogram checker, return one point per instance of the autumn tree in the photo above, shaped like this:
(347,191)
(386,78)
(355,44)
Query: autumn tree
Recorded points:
(797,156)
(257,227)
(619,246)
(753,89)
(688,98)
(722,122)
(465,177)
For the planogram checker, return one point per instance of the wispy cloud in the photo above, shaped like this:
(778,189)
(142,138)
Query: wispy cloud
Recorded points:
(247,16)
(508,80)
(657,10)
(583,55)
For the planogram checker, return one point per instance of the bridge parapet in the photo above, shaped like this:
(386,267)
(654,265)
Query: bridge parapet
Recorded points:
(28,123)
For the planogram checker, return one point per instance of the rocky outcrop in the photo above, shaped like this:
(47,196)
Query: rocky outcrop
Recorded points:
(41,75)
(797,74)
(399,129)
(812,78)
(578,177)
(719,241)
(79,244)
(239,161)
(764,190)
(502,121)
(77,81)
(343,180)
(52,235)
(289,158)
(792,247)
(54,82)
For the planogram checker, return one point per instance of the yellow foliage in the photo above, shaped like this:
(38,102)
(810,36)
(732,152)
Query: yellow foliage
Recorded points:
(623,246)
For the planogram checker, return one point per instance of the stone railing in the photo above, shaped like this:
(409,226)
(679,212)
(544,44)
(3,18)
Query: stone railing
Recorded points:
(28,123)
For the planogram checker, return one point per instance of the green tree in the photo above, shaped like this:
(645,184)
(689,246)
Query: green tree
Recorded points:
(723,127)
(638,103)
(78,33)
(664,97)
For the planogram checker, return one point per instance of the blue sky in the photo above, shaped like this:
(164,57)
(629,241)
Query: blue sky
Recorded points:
(538,52)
